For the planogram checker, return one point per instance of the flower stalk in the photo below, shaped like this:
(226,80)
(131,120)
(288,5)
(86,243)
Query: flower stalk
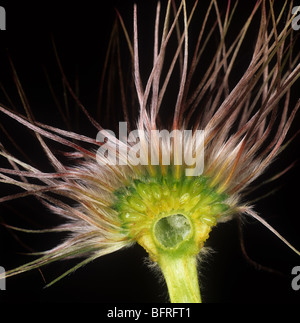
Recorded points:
(181,277)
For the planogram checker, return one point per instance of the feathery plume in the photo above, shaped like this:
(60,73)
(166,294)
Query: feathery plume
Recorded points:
(169,182)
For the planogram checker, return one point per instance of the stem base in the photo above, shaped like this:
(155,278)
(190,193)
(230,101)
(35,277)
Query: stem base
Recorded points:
(181,277)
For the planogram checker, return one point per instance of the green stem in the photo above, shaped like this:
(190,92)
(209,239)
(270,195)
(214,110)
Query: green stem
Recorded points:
(181,277)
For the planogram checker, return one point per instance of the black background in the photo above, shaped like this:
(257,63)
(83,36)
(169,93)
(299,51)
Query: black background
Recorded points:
(81,32)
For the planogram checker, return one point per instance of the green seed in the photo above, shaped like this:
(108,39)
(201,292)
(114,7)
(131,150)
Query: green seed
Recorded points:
(136,203)
(209,220)
(144,191)
(184,198)
(156,191)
